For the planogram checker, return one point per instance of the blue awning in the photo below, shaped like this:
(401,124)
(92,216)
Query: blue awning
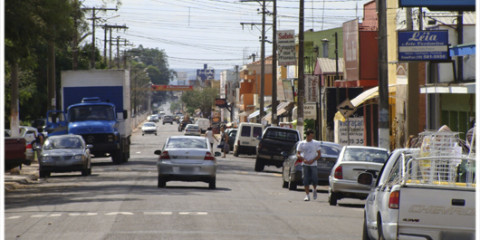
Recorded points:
(462,50)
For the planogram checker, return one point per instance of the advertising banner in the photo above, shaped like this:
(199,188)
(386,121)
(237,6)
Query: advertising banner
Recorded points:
(353,135)
(423,46)
(286,48)
(446,5)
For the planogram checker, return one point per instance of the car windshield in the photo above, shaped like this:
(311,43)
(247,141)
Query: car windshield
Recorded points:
(63,143)
(280,134)
(86,113)
(192,127)
(365,155)
(186,143)
(330,150)
(149,124)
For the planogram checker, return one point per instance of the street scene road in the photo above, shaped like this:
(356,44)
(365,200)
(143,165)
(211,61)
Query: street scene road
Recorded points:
(123,202)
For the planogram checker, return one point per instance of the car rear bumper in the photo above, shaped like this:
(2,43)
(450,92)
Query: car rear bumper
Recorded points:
(182,171)
(349,187)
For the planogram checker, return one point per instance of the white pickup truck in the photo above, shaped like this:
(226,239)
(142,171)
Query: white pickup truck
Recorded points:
(424,198)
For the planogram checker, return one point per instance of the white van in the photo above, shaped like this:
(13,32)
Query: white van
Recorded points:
(247,139)
(203,124)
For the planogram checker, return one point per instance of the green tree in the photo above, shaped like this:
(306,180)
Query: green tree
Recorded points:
(200,98)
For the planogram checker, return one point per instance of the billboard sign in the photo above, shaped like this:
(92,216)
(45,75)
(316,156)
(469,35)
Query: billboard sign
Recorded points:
(205,74)
(446,5)
(351,51)
(423,46)
(286,48)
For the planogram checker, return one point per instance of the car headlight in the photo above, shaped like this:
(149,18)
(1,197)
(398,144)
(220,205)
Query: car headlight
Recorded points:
(78,157)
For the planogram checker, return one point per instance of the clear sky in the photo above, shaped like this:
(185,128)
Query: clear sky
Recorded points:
(197,32)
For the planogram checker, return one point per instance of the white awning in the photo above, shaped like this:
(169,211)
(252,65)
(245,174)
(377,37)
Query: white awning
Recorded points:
(256,113)
(462,88)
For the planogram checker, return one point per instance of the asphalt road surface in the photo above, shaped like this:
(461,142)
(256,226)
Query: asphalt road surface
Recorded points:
(123,202)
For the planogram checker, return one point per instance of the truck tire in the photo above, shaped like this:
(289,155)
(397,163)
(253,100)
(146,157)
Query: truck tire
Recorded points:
(117,157)
(379,228)
(259,165)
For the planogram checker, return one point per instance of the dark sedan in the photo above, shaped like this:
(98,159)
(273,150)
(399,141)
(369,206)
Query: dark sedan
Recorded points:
(65,153)
(292,169)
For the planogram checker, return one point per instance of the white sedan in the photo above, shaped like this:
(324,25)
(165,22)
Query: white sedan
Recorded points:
(352,161)
(187,158)
(149,128)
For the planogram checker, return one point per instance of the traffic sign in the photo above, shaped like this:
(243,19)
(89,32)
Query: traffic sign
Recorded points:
(346,108)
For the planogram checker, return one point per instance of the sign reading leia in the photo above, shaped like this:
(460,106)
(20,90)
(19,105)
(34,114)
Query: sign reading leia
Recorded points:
(423,46)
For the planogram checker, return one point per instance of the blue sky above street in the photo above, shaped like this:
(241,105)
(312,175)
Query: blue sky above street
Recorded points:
(197,32)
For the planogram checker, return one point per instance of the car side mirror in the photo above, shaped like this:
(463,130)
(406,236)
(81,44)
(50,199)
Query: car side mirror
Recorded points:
(158,152)
(89,146)
(365,179)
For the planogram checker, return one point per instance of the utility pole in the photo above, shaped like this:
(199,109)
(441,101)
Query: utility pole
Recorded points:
(262,70)
(301,80)
(274,65)
(262,56)
(106,27)
(383,113)
(94,18)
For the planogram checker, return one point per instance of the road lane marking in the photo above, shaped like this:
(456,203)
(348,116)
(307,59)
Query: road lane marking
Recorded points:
(82,214)
(158,213)
(38,215)
(14,217)
(118,213)
(193,213)
(55,215)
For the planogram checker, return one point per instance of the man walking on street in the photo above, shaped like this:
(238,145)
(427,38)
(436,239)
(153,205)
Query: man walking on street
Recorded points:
(308,151)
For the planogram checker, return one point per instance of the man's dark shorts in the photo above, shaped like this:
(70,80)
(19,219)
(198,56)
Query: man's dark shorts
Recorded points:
(310,175)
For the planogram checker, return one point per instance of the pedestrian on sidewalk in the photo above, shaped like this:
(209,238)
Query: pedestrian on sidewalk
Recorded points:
(224,140)
(308,152)
(211,138)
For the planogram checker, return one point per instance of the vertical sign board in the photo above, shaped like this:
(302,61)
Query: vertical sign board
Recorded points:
(355,134)
(351,50)
(286,47)
(423,46)
(311,88)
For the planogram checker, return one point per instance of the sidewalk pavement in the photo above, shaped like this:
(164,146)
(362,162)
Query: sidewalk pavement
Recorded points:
(19,178)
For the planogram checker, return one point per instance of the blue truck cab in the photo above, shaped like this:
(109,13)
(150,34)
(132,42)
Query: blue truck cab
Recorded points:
(95,105)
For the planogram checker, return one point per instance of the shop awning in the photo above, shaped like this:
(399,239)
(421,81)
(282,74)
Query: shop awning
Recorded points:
(366,95)
(462,88)
(282,108)
(256,113)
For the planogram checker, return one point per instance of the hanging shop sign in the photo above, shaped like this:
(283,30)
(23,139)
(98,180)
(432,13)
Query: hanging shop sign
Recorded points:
(286,48)
(423,46)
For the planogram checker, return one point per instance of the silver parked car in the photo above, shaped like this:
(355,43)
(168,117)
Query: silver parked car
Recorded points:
(187,158)
(193,130)
(352,161)
(65,153)
(292,169)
